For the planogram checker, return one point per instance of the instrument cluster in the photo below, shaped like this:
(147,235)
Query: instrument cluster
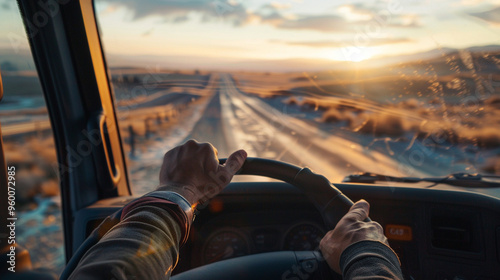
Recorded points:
(232,242)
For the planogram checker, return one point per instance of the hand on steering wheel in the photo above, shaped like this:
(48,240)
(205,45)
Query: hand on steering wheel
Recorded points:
(193,171)
(350,229)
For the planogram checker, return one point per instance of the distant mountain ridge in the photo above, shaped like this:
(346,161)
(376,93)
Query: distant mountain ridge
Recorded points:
(22,61)
(428,55)
(11,60)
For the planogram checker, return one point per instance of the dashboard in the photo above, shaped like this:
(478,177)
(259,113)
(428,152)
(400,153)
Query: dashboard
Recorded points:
(437,234)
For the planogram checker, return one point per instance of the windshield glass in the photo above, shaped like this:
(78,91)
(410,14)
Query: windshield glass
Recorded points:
(403,88)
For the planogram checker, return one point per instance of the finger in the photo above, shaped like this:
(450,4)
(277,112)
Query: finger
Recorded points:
(359,211)
(209,153)
(208,148)
(234,162)
(191,143)
(216,153)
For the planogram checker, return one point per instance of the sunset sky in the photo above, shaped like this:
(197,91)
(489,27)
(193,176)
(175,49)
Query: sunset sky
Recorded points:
(199,32)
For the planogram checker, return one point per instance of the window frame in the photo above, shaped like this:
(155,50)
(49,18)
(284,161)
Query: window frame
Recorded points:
(68,55)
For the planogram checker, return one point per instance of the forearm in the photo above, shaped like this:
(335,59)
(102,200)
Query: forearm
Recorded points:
(144,242)
(370,260)
(144,245)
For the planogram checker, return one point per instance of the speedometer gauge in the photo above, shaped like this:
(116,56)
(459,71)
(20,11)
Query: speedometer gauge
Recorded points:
(225,244)
(303,237)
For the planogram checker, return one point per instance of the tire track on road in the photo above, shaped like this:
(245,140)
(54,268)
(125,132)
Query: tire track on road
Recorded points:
(268,133)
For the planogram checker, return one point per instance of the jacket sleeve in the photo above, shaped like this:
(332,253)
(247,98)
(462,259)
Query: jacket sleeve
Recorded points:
(143,245)
(370,260)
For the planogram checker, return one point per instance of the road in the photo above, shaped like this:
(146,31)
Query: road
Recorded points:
(25,127)
(233,120)
(170,96)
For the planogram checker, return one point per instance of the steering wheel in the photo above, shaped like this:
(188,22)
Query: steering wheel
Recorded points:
(328,200)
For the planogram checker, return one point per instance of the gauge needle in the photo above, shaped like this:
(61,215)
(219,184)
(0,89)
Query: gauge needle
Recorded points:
(228,252)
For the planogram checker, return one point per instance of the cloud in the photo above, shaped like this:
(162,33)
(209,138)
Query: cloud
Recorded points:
(276,6)
(362,12)
(470,2)
(344,19)
(273,14)
(492,16)
(407,20)
(147,33)
(5,5)
(324,23)
(336,44)
(177,11)
(335,23)
(180,18)
(355,12)
(273,18)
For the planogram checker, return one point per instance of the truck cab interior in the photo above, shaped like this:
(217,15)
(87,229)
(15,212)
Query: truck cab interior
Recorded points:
(268,222)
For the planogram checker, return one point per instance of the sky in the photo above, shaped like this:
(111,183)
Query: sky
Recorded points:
(225,33)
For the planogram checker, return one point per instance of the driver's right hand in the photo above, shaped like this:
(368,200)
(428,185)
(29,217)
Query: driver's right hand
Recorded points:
(349,230)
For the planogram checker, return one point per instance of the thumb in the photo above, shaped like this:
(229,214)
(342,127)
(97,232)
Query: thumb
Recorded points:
(360,210)
(234,162)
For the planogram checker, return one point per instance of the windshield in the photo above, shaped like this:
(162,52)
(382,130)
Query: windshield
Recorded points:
(404,88)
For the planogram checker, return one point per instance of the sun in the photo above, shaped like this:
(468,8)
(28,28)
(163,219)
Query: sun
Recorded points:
(359,54)
(359,58)
(353,54)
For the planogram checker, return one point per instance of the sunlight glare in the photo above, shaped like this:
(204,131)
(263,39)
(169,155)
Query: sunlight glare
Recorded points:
(353,54)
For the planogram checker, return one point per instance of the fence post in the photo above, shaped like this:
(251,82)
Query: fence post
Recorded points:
(132,140)
(38,130)
(158,118)
(146,126)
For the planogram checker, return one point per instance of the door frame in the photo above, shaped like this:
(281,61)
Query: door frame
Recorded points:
(68,54)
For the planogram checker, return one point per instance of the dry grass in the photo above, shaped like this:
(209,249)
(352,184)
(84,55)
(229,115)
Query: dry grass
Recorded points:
(486,137)
(381,124)
(35,160)
(293,101)
(333,116)
(451,123)
(492,166)
(410,104)
(316,104)
(493,101)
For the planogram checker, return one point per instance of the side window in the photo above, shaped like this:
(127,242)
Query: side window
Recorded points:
(29,147)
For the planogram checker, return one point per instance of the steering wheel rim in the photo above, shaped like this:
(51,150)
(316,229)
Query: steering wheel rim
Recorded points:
(327,199)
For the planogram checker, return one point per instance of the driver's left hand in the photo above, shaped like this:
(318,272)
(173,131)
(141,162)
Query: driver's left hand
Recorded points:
(193,171)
